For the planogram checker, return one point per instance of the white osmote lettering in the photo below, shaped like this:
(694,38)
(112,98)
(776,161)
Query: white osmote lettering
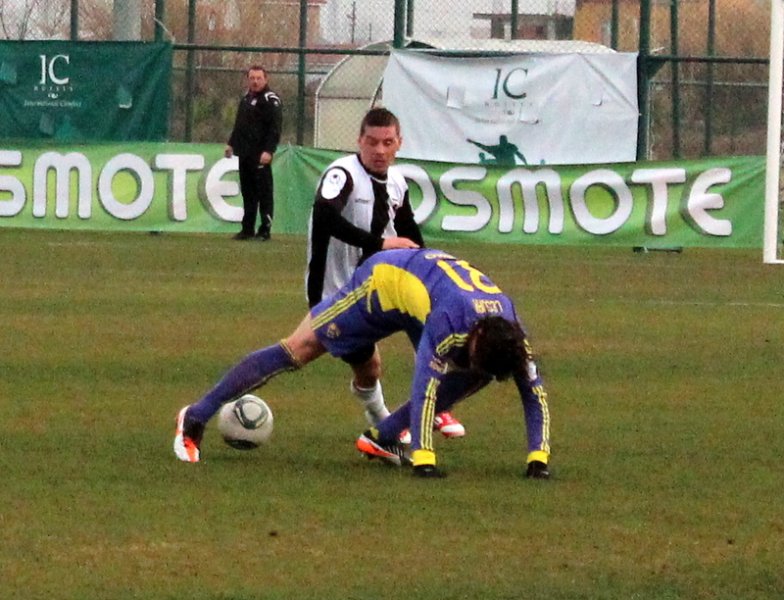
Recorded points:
(701,201)
(484,211)
(10,184)
(216,190)
(617,187)
(522,194)
(528,181)
(333,183)
(659,180)
(141,172)
(62,164)
(179,165)
(65,165)
(538,186)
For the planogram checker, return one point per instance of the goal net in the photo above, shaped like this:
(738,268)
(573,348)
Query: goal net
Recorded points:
(772,237)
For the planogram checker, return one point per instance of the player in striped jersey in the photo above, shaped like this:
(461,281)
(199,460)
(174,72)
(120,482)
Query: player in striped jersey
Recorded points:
(464,329)
(361,207)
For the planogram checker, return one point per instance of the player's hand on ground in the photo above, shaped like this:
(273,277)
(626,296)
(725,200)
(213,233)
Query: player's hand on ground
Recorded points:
(537,470)
(396,243)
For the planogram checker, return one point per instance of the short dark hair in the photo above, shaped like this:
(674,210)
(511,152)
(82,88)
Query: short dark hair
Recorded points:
(499,347)
(256,68)
(379,117)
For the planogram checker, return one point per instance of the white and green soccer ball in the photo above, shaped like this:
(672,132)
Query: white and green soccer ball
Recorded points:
(245,423)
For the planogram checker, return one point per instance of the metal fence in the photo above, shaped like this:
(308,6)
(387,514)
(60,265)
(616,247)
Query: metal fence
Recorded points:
(703,63)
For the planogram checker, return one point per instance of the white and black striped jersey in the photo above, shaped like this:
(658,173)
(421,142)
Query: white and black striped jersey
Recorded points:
(353,212)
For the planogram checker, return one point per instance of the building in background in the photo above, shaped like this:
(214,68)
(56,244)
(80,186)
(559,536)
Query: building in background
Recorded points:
(360,23)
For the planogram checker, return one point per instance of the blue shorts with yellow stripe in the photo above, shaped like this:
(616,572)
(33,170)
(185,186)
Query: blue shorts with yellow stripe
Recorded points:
(353,318)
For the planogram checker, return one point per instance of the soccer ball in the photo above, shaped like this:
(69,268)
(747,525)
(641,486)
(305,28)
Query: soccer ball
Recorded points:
(245,423)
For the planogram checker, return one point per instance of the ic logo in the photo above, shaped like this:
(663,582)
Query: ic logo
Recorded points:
(515,77)
(49,76)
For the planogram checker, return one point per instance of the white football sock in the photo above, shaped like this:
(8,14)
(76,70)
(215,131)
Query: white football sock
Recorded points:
(372,400)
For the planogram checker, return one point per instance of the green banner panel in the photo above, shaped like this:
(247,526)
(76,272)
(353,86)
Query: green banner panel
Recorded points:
(717,202)
(700,203)
(79,91)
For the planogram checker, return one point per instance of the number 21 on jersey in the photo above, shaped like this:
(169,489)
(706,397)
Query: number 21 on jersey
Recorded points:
(467,277)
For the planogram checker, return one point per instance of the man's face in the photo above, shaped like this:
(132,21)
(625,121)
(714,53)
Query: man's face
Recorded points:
(257,80)
(378,147)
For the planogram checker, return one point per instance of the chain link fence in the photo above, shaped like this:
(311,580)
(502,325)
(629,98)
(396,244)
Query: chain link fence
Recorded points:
(705,60)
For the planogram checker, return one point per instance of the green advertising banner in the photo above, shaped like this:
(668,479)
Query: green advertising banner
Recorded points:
(83,91)
(712,202)
(716,202)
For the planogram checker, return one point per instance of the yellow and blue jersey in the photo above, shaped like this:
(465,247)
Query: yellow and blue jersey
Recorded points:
(436,299)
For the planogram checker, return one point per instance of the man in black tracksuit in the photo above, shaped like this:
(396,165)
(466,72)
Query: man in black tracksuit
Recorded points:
(254,140)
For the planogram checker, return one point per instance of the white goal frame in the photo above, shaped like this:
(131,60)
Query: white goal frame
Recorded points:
(773,165)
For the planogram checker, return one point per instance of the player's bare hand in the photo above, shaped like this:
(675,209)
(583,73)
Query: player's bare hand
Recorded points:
(265,158)
(396,243)
(228,152)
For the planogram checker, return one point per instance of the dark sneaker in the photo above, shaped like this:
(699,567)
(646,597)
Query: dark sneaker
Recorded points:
(394,454)
(428,472)
(537,470)
(187,437)
(243,236)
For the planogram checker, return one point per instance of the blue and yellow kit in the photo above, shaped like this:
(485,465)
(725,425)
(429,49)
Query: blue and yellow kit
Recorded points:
(436,299)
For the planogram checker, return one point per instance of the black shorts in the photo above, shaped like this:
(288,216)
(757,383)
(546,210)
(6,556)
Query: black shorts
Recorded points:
(359,356)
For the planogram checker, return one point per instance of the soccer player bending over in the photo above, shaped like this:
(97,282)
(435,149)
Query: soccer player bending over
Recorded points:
(465,331)
(361,207)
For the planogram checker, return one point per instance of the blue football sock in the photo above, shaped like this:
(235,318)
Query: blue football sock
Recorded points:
(251,372)
(452,389)
(390,428)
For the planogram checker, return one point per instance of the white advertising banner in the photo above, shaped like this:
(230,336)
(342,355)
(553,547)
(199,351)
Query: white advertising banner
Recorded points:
(531,109)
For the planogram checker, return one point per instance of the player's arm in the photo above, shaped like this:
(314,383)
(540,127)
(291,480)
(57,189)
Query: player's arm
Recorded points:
(232,141)
(405,225)
(479,145)
(537,420)
(429,370)
(331,198)
(435,390)
(424,392)
(441,378)
(275,124)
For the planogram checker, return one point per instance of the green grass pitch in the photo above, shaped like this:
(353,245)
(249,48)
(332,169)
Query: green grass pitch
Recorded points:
(664,374)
